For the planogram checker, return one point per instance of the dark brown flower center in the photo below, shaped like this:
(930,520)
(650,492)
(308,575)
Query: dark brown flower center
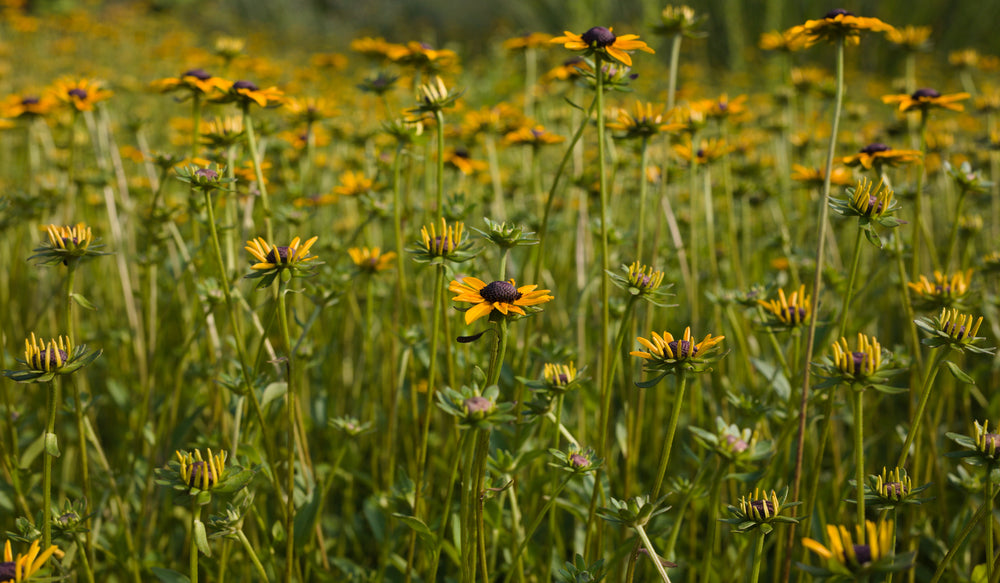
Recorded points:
(795,314)
(682,348)
(838,12)
(199,470)
(207,173)
(858,361)
(49,356)
(894,489)
(863,553)
(957,331)
(763,507)
(925,92)
(246,85)
(279,255)
(991,440)
(579,461)
(599,37)
(875,148)
(7,572)
(199,74)
(500,291)
(78,93)
(30,100)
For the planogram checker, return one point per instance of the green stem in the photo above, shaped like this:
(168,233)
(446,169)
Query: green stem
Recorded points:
(713,506)
(253,555)
(817,291)
(668,443)
(193,558)
(539,517)
(51,402)
(962,537)
(643,187)
(758,555)
(852,278)
(605,259)
(84,559)
(397,228)
(859,459)
(258,172)
(990,555)
(439,186)
(953,236)
(652,553)
(675,54)
(290,405)
(925,393)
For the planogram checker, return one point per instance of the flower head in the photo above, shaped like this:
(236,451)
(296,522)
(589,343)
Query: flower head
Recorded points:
(642,281)
(644,121)
(24,565)
(434,96)
(946,291)
(44,360)
(953,329)
(668,355)
(532,136)
(877,155)
(786,42)
(193,81)
(207,178)
(67,244)
(845,558)
(892,489)
(788,311)
(709,151)
(760,510)
(816,176)
(912,38)
(275,260)
(200,473)
(837,24)
(926,99)
(681,20)
(530,40)
(371,260)
(865,367)
(28,106)
(441,241)
(600,40)
(475,408)
(867,201)
(354,184)
(504,297)
(80,94)
(982,448)
(736,445)
(575,460)
(247,93)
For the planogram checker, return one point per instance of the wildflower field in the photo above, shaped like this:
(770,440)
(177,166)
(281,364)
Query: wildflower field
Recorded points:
(572,306)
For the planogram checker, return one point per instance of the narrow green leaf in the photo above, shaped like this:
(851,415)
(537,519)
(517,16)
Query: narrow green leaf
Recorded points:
(272,392)
(958,373)
(82,302)
(418,526)
(169,575)
(51,444)
(201,538)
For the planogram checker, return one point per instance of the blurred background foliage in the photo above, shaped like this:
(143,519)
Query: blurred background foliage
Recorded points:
(734,25)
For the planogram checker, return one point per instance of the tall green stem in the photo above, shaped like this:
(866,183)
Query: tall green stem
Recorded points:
(193,558)
(675,55)
(652,553)
(290,405)
(859,458)
(50,450)
(852,278)
(258,171)
(925,393)
(439,185)
(643,187)
(758,555)
(668,443)
(817,289)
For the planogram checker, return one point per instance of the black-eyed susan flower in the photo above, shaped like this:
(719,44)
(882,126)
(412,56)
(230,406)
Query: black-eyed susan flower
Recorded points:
(506,235)
(460,159)
(23,566)
(442,241)
(535,136)
(246,93)
(378,83)
(27,106)
(44,360)
(274,260)
(423,57)
(575,460)
(723,108)
(708,151)
(682,20)
(198,472)
(845,559)
(645,120)
(877,155)
(354,184)
(202,476)
(925,99)
(892,489)
(964,58)
(868,201)
(760,510)
(642,281)
(637,511)
(434,96)
(371,47)
(600,40)
(981,449)
(502,297)
(570,69)
(836,25)
(783,41)
(529,40)
(192,81)
(788,311)
(67,244)
(475,408)
(80,94)
(666,355)
(308,110)
(206,178)
(911,38)
(371,260)
(967,179)
(224,132)
(229,48)
(945,291)
(816,177)
(954,329)
(867,366)
(736,445)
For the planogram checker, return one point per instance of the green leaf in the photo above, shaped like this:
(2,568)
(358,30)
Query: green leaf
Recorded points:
(169,575)
(774,376)
(958,373)
(272,392)
(418,526)
(305,519)
(651,382)
(201,538)
(82,302)
(51,444)
(872,236)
